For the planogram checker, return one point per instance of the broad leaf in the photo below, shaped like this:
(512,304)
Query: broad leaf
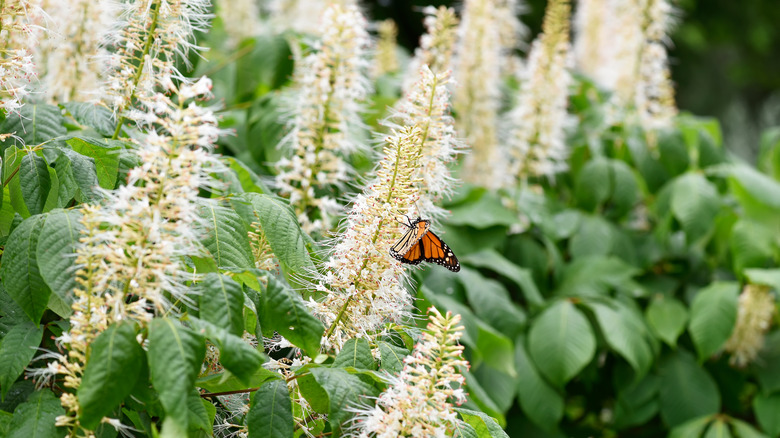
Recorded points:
(695,202)
(713,315)
(36,124)
(492,303)
(222,302)
(104,153)
(110,374)
(20,271)
(35,417)
(344,390)
(484,425)
(766,409)
(35,182)
(175,355)
(356,353)
(17,349)
(271,413)
(687,390)
(235,355)
(492,260)
(93,115)
(226,237)
(667,316)
(624,335)
(285,312)
(56,251)
(691,429)
(540,402)
(392,357)
(561,342)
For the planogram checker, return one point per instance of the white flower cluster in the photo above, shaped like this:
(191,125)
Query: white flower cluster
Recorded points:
(240,19)
(756,309)
(536,140)
(304,16)
(332,87)
(419,401)
(17,70)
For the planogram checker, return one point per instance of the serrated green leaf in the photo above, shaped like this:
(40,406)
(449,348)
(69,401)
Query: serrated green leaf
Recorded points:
(67,182)
(225,236)
(225,382)
(175,355)
(35,417)
(36,124)
(222,302)
(751,244)
(110,374)
(56,251)
(561,342)
(271,413)
(248,179)
(105,154)
(235,355)
(17,349)
(20,271)
(541,403)
(355,353)
(35,182)
(92,115)
(199,420)
(694,203)
(492,260)
(85,175)
(713,315)
(483,424)
(5,423)
(344,390)
(285,312)
(766,409)
(289,243)
(464,430)
(392,357)
(687,390)
(667,316)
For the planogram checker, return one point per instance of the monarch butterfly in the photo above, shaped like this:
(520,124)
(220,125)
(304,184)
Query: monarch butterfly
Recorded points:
(420,244)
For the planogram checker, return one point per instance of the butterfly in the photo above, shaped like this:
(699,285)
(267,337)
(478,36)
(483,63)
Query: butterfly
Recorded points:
(420,244)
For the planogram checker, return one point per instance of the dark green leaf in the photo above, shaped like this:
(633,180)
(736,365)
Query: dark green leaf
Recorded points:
(595,237)
(17,349)
(691,429)
(110,374)
(667,316)
(20,271)
(486,212)
(92,115)
(713,315)
(84,173)
(687,390)
(492,260)
(767,365)
(695,202)
(105,154)
(624,335)
(593,184)
(223,382)
(35,417)
(492,303)
(226,237)
(175,355)
(540,402)
(392,357)
(355,353)
(285,312)
(199,420)
(35,182)
(271,413)
(222,302)
(484,425)
(344,390)
(36,124)
(235,355)
(561,342)
(745,430)
(766,409)
(595,276)
(56,251)
(718,429)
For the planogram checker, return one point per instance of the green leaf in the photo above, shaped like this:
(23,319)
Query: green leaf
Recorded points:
(285,312)
(356,353)
(288,242)
(691,429)
(105,153)
(20,271)
(637,402)
(235,355)
(222,302)
(93,115)
(485,212)
(84,174)
(492,260)
(392,357)
(344,390)
(17,349)
(110,374)
(484,425)
(625,190)
(667,317)
(495,349)
(199,420)
(751,244)
(540,402)
(36,124)
(718,429)
(175,355)
(768,277)
(766,409)
(5,423)
(593,185)
(767,366)
(271,412)
(225,382)
(624,335)
(35,182)
(713,315)
(492,303)
(745,430)
(35,417)
(464,430)
(594,276)
(226,237)
(56,251)
(695,202)
(248,179)
(595,237)
(687,390)
(561,342)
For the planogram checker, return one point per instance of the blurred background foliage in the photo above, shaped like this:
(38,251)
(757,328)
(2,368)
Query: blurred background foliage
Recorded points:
(725,59)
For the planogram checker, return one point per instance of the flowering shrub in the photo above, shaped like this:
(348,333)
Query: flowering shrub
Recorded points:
(198,207)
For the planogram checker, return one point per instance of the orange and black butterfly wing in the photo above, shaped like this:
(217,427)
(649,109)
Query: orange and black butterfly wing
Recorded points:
(434,250)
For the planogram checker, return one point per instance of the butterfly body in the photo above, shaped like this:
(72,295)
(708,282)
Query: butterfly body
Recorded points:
(419,244)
